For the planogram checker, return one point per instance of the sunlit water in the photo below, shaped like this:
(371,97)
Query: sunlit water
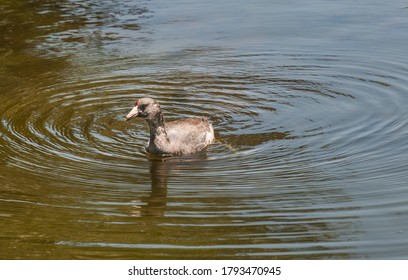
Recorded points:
(309,103)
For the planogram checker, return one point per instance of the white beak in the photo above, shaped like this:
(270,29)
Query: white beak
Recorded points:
(132,113)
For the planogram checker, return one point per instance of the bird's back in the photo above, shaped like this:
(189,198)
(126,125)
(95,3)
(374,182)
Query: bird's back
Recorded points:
(189,135)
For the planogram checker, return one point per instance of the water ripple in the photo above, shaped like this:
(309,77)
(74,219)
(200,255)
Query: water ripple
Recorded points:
(291,137)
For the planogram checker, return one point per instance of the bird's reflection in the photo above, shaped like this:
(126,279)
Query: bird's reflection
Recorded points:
(155,204)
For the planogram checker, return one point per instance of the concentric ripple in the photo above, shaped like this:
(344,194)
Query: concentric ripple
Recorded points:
(303,148)
(310,158)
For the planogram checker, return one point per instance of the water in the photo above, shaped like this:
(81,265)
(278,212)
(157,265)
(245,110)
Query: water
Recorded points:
(309,104)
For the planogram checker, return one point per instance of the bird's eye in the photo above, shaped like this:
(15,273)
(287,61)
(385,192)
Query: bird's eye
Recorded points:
(142,107)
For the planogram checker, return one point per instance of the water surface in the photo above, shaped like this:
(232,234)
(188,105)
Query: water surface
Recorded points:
(309,104)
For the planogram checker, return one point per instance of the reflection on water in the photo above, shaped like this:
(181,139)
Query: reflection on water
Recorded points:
(308,104)
(156,203)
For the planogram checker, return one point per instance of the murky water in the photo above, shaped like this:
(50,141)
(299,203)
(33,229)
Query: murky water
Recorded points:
(309,104)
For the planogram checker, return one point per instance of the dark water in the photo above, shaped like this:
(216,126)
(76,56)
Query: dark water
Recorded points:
(309,102)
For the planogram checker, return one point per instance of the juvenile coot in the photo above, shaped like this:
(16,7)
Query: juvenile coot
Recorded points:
(180,137)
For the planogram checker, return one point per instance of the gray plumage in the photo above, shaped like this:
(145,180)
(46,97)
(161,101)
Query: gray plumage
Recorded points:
(180,137)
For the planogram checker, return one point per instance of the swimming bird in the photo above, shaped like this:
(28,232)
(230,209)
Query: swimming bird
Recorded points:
(180,137)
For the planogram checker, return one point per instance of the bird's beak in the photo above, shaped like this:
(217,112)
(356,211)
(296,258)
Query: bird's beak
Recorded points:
(132,113)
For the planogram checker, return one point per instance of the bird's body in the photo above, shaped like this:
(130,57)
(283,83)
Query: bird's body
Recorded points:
(180,137)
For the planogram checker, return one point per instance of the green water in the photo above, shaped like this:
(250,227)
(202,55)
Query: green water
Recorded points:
(309,105)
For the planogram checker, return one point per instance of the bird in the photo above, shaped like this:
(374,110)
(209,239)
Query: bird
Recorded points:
(176,138)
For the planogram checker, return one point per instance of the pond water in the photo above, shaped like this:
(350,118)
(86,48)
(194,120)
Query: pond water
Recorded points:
(309,103)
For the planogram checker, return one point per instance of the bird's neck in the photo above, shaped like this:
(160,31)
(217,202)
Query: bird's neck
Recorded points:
(157,128)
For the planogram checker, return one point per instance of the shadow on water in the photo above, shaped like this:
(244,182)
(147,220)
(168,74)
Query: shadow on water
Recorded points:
(59,27)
